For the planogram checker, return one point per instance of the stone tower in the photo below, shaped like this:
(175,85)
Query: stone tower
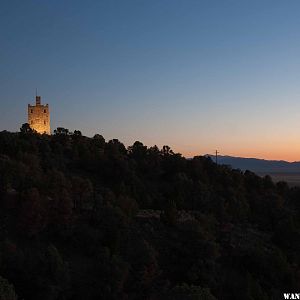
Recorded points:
(39,116)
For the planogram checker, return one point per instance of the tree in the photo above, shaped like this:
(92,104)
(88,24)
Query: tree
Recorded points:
(137,150)
(77,133)
(31,213)
(82,191)
(61,209)
(170,214)
(98,140)
(166,150)
(61,131)
(7,291)
(115,148)
(128,205)
(186,292)
(26,129)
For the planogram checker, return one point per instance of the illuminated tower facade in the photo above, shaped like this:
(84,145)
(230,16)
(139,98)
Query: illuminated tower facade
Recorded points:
(39,116)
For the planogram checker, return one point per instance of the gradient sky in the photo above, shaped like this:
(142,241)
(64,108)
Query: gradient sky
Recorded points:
(195,75)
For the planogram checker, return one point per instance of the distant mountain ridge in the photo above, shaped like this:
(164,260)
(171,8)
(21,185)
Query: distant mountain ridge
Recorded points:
(258,165)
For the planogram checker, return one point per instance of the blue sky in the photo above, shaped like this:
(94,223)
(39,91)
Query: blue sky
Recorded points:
(196,75)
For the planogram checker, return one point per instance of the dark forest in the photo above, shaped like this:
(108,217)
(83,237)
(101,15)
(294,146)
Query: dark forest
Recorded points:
(85,218)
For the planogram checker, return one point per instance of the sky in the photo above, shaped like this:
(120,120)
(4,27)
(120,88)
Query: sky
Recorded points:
(197,75)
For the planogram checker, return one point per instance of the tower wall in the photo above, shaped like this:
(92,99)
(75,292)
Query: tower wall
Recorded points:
(39,117)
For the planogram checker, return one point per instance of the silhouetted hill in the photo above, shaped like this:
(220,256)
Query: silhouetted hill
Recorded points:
(86,218)
(259,165)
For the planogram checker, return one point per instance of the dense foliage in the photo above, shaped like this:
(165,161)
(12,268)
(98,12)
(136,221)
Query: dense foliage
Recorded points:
(82,218)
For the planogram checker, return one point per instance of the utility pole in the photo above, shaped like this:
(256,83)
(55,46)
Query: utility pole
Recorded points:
(217,152)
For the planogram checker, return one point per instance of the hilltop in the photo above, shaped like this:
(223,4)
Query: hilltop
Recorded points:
(259,165)
(86,218)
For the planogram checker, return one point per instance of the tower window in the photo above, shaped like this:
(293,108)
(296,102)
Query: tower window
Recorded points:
(45,111)
(31,111)
(45,122)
